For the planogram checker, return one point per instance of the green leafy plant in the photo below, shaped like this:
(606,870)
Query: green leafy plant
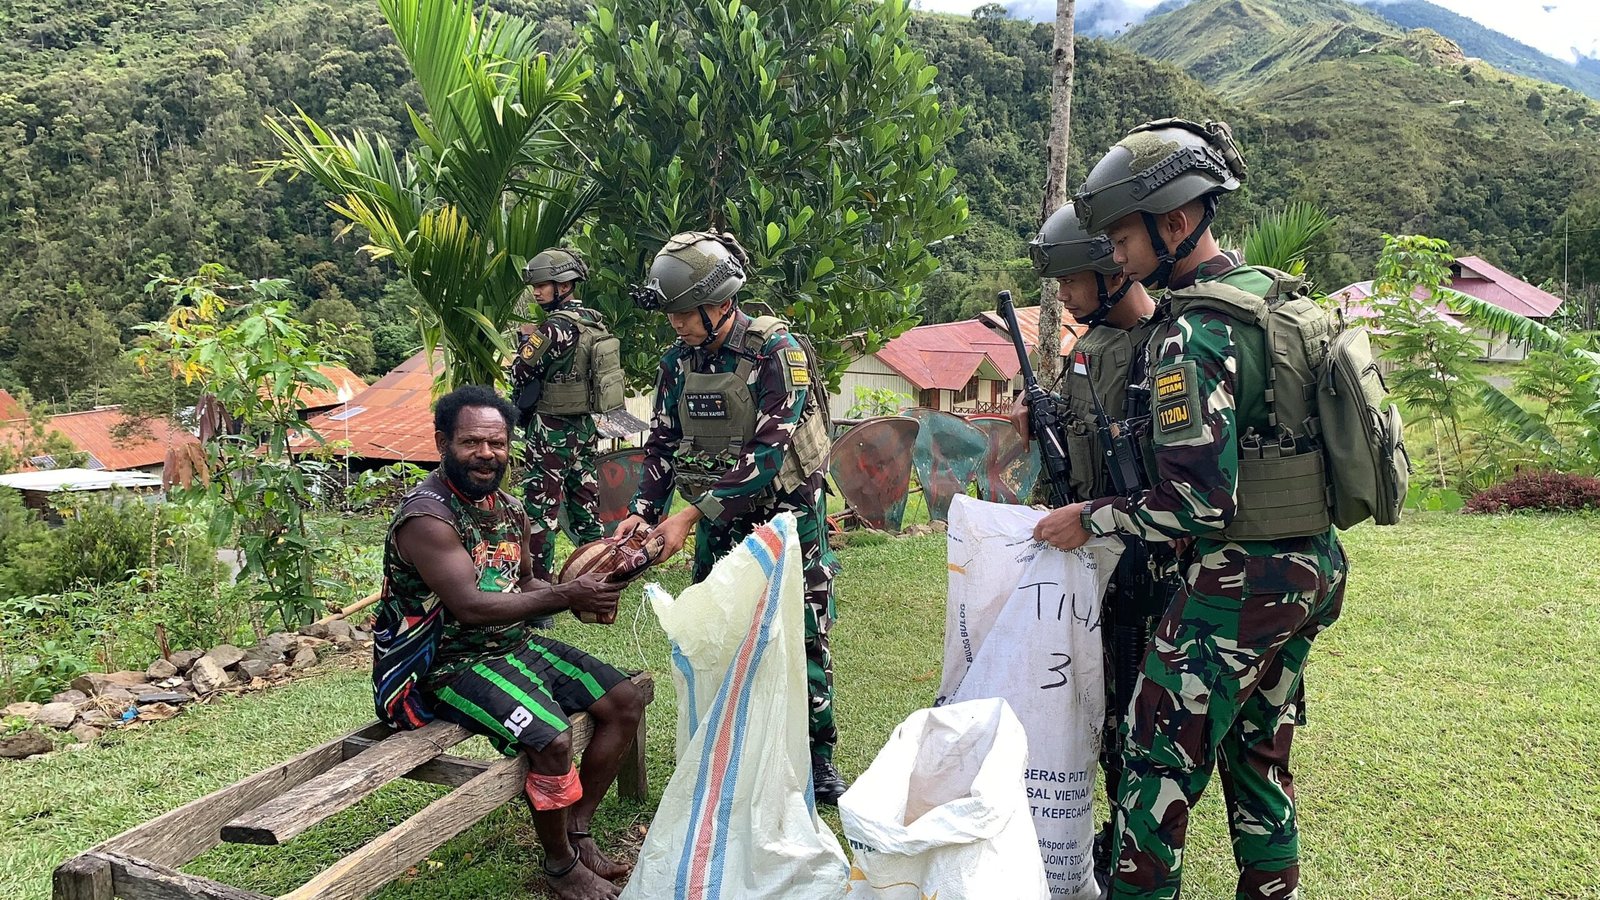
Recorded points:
(1282,238)
(811,131)
(485,189)
(257,360)
(877,402)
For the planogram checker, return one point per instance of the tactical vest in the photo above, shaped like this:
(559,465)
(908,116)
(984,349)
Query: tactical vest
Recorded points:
(717,416)
(591,379)
(1283,487)
(1109,354)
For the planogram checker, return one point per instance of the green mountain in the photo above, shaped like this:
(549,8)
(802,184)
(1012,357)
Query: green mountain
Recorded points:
(1491,46)
(1391,131)
(130,132)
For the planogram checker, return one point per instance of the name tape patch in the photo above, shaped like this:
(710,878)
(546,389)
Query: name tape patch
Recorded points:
(706,405)
(1170,384)
(1172,416)
(799,368)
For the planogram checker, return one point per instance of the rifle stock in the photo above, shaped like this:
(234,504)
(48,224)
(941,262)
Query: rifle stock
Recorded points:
(1044,416)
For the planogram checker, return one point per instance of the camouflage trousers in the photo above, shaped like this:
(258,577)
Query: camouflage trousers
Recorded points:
(712,542)
(558,455)
(1222,684)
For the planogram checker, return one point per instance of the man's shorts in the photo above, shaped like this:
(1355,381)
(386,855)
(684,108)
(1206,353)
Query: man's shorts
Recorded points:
(522,699)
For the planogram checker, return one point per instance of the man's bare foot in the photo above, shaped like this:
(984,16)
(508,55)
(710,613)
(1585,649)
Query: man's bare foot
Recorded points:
(597,862)
(578,883)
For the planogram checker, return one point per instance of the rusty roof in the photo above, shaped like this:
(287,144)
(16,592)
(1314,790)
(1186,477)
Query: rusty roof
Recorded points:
(346,384)
(392,420)
(94,432)
(947,356)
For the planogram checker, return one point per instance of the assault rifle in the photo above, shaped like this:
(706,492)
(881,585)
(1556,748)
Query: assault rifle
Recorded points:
(1044,417)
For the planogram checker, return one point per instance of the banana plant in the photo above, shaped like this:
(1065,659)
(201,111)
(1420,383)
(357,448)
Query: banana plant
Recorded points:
(488,186)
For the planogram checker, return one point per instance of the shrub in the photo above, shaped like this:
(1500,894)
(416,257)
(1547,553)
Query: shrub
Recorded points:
(1538,491)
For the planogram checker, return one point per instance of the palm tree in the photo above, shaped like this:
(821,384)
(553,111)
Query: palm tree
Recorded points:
(485,190)
(1282,239)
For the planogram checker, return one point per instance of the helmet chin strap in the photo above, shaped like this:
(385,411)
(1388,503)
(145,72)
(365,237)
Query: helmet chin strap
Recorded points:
(1166,259)
(711,330)
(1108,301)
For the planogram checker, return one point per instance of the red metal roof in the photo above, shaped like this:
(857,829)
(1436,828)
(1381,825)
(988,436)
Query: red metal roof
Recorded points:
(1356,302)
(9,407)
(1028,324)
(346,384)
(392,420)
(945,357)
(1477,278)
(92,431)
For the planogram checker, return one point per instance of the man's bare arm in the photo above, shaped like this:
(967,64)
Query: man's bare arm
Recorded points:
(433,548)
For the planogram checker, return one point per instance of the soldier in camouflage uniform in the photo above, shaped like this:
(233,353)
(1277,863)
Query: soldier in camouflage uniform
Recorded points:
(1107,375)
(740,429)
(558,447)
(1222,681)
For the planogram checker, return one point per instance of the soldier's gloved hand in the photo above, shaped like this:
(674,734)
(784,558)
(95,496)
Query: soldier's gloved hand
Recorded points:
(629,525)
(592,594)
(1019,416)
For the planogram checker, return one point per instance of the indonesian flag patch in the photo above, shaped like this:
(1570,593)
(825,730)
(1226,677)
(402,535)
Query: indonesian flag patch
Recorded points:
(1080,363)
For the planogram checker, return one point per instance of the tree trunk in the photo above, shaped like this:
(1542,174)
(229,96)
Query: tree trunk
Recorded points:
(1055,187)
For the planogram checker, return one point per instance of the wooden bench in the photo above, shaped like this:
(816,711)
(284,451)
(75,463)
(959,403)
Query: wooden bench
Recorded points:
(275,805)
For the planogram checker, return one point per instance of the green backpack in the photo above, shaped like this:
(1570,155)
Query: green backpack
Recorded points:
(1323,390)
(595,381)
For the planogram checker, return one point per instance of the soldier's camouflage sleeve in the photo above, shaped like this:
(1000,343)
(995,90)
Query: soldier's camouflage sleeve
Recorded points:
(1194,430)
(780,390)
(660,448)
(551,340)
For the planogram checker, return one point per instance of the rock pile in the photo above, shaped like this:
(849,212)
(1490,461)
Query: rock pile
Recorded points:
(98,701)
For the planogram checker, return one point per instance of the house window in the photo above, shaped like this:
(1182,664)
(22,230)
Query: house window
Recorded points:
(970,392)
(928,399)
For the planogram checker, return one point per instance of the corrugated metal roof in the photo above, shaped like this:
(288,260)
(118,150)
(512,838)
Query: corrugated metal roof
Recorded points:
(946,356)
(1502,289)
(346,384)
(1356,302)
(392,420)
(1028,324)
(77,480)
(93,432)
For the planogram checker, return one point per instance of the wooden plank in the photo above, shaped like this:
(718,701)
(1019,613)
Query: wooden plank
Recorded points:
(342,786)
(181,835)
(86,877)
(453,771)
(139,879)
(633,781)
(365,871)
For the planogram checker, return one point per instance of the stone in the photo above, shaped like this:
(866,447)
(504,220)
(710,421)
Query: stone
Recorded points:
(165,697)
(161,669)
(252,668)
(304,659)
(85,734)
(339,628)
(120,696)
(184,659)
(169,683)
(95,683)
(315,629)
(280,643)
(940,527)
(360,636)
(24,709)
(73,696)
(224,655)
(25,744)
(157,712)
(278,671)
(313,643)
(57,715)
(264,655)
(208,676)
(97,717)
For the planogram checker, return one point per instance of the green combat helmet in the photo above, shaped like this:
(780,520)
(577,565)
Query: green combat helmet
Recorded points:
(1063,248)
(556,264)
(694,269)
(1157,168)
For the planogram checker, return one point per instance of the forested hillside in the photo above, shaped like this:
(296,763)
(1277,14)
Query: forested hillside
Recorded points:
(131,131)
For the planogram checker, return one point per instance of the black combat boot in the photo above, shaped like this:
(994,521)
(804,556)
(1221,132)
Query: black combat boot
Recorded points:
(827,785)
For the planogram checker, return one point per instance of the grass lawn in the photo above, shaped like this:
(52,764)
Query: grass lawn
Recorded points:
(1455,727)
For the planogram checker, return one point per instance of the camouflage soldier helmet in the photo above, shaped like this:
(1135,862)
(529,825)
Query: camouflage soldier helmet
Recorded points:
(1157,168)
(693,269)
(1063,247)
(557,264)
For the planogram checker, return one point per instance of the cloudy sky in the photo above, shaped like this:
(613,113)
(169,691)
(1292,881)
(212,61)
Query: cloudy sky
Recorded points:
(1561,28)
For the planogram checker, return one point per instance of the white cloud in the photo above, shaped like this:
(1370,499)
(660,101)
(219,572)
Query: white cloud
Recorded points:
(1562,28)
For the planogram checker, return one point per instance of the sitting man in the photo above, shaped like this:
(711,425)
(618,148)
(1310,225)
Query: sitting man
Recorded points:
(453,639)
